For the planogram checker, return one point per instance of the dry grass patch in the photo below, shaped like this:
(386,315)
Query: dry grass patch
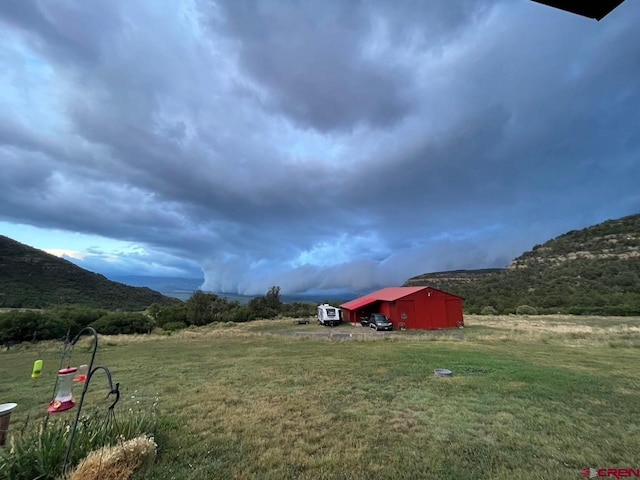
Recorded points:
(118,462)
(249,401)
(565,329)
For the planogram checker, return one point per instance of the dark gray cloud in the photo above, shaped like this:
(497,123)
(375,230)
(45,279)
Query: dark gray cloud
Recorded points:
(342,65)
(69,31)
(314,65)
(316,145)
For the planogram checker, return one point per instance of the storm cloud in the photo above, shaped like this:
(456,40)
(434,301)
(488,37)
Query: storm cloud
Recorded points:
(315,145)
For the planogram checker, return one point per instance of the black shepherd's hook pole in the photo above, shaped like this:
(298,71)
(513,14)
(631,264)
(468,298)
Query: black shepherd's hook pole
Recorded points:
(91,371)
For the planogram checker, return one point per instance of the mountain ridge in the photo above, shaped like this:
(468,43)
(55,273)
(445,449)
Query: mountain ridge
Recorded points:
(32,278)
(595,270)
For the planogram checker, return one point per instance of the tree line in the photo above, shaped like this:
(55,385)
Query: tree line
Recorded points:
(200,309)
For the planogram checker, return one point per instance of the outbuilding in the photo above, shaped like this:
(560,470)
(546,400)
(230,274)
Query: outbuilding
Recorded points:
(408,307)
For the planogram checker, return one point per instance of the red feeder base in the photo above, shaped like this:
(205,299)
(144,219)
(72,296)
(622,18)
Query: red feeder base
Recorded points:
(57,406)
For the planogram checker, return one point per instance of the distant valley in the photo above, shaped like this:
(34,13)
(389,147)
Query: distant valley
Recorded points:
(176,287)
(182,288)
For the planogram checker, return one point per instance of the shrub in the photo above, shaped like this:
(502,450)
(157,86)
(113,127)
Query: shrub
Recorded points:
(299,309)
(489,310)
(173,326)
(177,313)
(526,310)
(259,308)
(76,316)
(29,326)
(241,314)
(267,306)
(123,323)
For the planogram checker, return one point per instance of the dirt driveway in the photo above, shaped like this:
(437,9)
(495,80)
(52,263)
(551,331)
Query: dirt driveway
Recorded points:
(351,332)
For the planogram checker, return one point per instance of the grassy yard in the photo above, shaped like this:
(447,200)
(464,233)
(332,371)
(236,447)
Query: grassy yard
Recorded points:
(536,397)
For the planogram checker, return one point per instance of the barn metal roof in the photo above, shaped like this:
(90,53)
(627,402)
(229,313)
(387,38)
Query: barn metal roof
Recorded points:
(358,302)
(394,293)
(386,295)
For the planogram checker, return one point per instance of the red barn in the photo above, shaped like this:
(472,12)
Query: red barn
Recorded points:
(408,307)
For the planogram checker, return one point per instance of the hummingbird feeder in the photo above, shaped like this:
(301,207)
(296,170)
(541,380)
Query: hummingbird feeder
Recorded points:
(64,398)
(81,374)
(37,369)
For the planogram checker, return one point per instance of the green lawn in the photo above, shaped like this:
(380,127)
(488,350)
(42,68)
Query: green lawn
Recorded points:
(538,397)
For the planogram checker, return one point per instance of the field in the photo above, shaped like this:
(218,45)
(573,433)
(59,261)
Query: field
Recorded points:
(531,397)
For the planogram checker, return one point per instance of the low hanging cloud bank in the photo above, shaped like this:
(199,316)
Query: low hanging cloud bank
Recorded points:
(327,145)
(235,275)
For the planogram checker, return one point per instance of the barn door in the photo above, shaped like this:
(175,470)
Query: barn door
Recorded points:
(406,314)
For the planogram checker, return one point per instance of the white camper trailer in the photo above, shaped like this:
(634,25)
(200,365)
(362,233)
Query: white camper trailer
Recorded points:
(329,315)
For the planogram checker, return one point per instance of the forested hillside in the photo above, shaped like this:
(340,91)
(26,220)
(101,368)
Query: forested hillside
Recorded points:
(591,271)
(31,278)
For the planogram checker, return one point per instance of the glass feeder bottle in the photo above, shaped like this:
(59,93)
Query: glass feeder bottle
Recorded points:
(64,398)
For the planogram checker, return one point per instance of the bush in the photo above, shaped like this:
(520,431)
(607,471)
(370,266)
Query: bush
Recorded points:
(173,326)
(241,314)
(204,308)
(299,309)
(31,326)
(488,311)
(526,310)
(177,313)
(259,308)
(123,323)
(77,316)
(16,327)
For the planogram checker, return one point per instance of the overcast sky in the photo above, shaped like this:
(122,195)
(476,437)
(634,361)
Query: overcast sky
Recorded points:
(312,144)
